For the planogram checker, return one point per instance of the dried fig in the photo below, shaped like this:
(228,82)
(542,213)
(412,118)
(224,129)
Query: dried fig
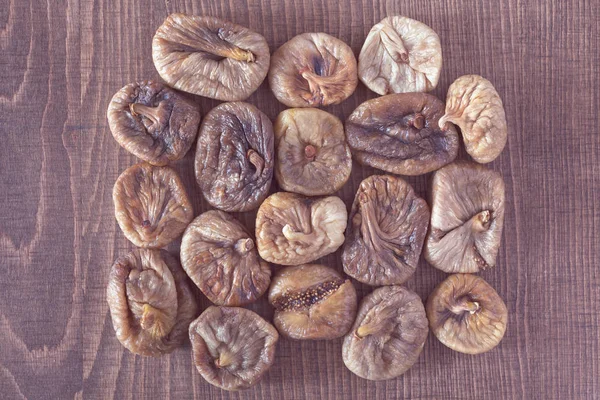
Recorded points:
(153,122)
(233,347)
(399,133)
(312,302)
(467,215)
(386,228)
(151,205)
(210,57)
(474,105)
(235,156)
(400,55)
(388,335)
(292,229)
(313,70)
(219,255)
(312,155)
(466,314)
(150,302)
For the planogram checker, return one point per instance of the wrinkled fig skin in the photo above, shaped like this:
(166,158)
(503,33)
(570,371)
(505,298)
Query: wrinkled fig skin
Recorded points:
(210,57)
(467,215)
(388,335)
(400,55)
(313,70)
(151,205)
(235,157)
(292,229)
(219,255)
(386,228)
(150,302)
(474,105)
(466,314)
(233,347)
(312,302)
(399,133)
(312,155)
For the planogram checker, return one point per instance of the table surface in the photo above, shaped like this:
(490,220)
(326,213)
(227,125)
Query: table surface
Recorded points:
(60,65)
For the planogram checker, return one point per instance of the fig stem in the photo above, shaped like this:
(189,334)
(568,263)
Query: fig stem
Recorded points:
(481,221)
(225,359)
(363,331)
(393,44)
(232,51)
(152,322)
(157,115)
(465,305)
(417,120)
(255,159)
(310,152)
(243,246)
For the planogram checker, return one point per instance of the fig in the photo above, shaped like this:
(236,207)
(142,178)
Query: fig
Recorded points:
(210,57)
(219,255)
(312,302)
(312,155)
(467,215)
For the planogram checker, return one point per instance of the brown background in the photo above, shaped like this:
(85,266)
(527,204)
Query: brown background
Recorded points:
(60,63)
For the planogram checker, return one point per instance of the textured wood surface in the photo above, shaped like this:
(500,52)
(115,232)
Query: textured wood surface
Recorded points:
(60,63)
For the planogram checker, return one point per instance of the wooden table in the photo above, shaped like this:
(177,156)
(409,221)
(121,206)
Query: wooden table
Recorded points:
(60,63)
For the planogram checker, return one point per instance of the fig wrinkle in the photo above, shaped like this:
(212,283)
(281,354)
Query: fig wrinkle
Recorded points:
(393,44)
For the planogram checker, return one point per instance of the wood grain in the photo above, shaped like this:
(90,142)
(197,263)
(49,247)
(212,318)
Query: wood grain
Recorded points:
(61,63)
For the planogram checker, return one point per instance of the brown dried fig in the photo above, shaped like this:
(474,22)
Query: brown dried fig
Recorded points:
(474,105)
(151,205)
(312,155)
(150,302)
(466,314)
(400,55)
(235,156)
(210,57)
(219,255)
(233,347)
(312,302)
(388,335)
(292,229)
(313,70)
(386,228)
(467,215)
(399,133)
(153,122)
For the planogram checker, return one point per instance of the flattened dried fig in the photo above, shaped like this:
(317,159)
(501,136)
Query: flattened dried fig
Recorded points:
(233,347)
(400,55)
(386,228)
(312,302)
(467,215)
(150,302)
(312,155)
(466,314)
(210,57)
(474,105)
(151,205)
(399,133)
(388,335)
(219,255)
(153,122)
(234,157)
(313,70)
(292,229)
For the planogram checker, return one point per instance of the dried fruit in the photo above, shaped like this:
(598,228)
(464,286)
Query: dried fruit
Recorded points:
(312,155)
(400,55)
(153,122)
(150,302)
(388,335)
(474,105)
(210,57)
(312,302)
(219,255)
(233,347)
(313,70)
(234,157)
(151,205)
(292,229)
(467,215)
(399,133)
(386,228)
(466,314)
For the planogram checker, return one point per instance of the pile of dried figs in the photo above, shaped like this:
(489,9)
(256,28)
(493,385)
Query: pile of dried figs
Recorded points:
(309,152)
